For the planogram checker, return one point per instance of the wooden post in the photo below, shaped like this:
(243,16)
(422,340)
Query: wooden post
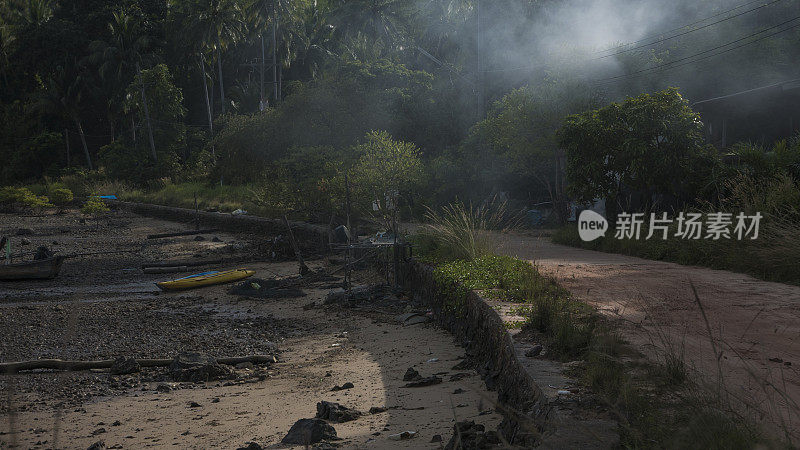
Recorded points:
(303,267)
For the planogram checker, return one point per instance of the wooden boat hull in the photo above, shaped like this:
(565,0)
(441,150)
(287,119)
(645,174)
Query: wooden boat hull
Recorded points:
(209,279)
(31,270)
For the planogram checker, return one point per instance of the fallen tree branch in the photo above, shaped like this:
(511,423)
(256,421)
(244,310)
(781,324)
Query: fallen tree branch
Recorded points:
(182,263)
(60,364)
(181,233)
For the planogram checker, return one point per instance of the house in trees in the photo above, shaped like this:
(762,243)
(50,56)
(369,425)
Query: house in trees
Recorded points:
(762,115)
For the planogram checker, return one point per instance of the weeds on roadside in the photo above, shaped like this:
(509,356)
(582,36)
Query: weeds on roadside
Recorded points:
(461,232)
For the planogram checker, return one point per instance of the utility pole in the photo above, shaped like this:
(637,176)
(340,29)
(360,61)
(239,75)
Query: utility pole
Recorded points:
(147,114)
(481,55)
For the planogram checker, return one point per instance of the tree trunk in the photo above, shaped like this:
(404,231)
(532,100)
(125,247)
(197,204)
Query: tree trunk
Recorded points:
(261,105)
(274,54)
(221,86)
(205,89)
(147,115)
(111,123)
(83,141)
(66,139)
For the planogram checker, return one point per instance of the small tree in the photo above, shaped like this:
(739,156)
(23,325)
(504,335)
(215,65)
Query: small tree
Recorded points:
(384,169)
(649,144)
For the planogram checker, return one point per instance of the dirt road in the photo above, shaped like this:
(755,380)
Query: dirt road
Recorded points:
(102,306)
(754,325)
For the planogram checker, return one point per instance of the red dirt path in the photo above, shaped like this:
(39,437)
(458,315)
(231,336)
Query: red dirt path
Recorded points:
(755,324)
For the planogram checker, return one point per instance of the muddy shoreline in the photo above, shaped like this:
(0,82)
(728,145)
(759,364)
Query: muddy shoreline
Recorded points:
(103,307)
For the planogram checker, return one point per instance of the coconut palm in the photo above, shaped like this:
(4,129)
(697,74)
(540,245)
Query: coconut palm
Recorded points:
(219,23)
(378,20)
(118,59)
(62,96)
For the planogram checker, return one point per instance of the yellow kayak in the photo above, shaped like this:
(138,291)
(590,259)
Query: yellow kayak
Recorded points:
(205,279)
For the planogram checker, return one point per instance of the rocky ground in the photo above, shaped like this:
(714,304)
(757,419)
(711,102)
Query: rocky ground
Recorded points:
(102,307)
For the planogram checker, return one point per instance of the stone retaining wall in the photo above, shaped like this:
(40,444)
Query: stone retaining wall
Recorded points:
(489,344)
(309,237)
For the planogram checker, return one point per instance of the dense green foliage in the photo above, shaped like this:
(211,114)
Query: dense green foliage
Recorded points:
(651,144)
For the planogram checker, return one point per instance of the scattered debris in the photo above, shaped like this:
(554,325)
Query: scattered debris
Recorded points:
(412,318)
(563,392)
(158,270)
(187,263)
(403,436)
(309,431)
(272,288)
(334,412)
(432,360)
(422,382)
(347,385)
(459,376)
(239,212)
(251,446)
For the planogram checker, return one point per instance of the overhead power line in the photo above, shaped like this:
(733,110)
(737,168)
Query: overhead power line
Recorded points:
(691,30)
(672,64)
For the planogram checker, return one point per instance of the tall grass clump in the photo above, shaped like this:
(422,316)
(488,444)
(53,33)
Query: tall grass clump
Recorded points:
(464,232)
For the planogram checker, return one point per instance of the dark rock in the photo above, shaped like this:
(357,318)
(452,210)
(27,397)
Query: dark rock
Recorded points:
(190,366)
(459,391)
(335,412)
(469,435)
(99,445)
(309,306)
(217,239)
(124,365)
(24,231)
(309,431)
(98,431)
(436,438)
(199,238)
(116,423)
(534,351)
(427,381)
(163,387)
(347,385)
(251,446)
(411,374)
(377,409)
(194,405)
(25,241)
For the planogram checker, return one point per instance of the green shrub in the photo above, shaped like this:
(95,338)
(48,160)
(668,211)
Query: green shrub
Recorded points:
(94,205)
(13,197)
(61,196)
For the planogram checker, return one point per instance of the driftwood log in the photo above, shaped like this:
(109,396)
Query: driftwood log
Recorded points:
(187,263)
(170,269)
(60,364)
(181,233)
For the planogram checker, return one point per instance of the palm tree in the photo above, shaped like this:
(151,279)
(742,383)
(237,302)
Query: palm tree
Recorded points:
(62,96)
(378,20)
(7,39)
(119,59)
(220,24)
(31,13)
